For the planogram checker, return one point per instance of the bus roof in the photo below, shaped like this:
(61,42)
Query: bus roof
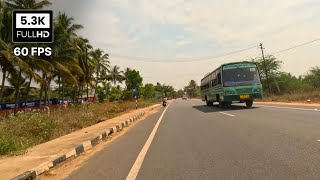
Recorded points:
(238,62)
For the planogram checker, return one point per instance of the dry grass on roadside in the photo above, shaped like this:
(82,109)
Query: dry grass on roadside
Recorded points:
(17,133)
(312,97)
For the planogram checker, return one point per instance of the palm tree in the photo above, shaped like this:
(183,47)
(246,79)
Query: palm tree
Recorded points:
(1,13)
(5,45)
(85,64)
(16,66)
(126,71)
(115,75)
(20,66)
(101,64)
(64,57)
(27,4)
(40,65)
(125,74)
(5,63)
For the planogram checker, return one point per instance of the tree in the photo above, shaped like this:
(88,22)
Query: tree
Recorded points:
(65,52)
(287,83)
(133,79)
(103,91)
(27,4)
(180,92)
(115,94)
(273,67)
(1,12)
(86,64)
(37,65)
(16,67)
(168,90)
(158,87)
(72,65)
(115,75)
(6,56)
(313,77)
(6,33)
(148,91)
(193,90)
(165,90)
(101,64)
(5,63)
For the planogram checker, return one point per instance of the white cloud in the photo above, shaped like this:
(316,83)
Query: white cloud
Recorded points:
(123,27)
(229,20)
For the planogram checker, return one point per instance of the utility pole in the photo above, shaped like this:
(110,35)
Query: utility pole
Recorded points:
(265,67)
(136,101)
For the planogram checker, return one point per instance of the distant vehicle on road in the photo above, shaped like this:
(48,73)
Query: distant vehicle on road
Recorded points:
(184,97)
(231,82)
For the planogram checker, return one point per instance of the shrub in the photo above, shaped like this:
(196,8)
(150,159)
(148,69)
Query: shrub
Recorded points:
(17,133)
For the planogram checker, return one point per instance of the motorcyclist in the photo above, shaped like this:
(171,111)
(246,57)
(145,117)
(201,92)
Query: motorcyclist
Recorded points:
(164,101)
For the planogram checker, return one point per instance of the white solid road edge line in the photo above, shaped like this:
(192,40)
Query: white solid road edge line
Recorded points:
(284,107)
(227,114)
(137,164)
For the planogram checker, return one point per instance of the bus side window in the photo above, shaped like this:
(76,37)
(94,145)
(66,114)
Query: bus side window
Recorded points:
(219,78)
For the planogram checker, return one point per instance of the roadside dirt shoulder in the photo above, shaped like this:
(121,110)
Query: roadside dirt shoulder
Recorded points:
(43,153)
(288,103)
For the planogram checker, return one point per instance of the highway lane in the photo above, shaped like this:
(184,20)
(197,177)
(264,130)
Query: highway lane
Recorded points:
(194,141)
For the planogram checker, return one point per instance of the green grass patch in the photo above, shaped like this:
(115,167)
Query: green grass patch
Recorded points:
(303,96)
(17,133)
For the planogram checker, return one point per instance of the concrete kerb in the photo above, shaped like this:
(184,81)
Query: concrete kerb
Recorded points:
(78,150)
(119,128)
(26,175)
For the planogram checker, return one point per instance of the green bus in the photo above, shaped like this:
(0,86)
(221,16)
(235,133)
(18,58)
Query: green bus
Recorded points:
(232,82)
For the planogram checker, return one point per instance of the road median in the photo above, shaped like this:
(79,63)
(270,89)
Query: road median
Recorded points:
(42,157)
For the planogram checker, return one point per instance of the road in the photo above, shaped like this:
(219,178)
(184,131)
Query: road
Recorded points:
(194,141)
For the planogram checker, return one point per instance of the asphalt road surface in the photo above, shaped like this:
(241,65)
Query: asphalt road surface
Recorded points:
(194,141)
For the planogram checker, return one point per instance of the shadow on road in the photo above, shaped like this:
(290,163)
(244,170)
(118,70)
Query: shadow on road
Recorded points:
(215,108)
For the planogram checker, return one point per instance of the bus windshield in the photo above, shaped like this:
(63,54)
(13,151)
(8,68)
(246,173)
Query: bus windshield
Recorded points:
(240,76)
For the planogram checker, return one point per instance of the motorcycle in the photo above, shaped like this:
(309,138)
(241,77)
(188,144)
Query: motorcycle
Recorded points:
(164,104)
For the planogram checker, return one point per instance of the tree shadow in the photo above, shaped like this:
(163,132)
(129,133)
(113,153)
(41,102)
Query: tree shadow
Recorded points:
(215,108)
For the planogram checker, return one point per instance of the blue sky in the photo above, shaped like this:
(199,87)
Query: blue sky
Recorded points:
(166,31)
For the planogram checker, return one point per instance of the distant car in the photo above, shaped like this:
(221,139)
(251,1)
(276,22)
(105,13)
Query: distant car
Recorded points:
(184,97)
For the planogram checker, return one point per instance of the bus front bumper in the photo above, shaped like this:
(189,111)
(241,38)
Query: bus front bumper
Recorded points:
(229,98)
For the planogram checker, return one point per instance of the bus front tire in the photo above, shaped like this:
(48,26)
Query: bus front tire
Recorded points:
(209,103)
(249,103)
(221,104)
(225,105)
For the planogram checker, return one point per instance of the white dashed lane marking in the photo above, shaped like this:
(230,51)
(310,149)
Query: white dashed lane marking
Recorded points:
(227,114)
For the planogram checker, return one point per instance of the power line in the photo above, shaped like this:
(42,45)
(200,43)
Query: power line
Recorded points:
(203,58)
(293,47)
(191,59)
(219,56)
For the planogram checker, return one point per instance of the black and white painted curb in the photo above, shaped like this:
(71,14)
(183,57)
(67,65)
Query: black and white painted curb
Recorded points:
(78,150)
